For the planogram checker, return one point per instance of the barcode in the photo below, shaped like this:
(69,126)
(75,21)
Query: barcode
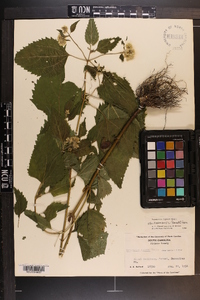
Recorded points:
(34,268)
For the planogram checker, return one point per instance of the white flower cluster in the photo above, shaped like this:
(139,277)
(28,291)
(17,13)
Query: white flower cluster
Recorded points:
(72,143)
(61,36)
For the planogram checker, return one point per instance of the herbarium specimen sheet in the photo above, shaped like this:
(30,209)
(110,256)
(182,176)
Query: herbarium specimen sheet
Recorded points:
(84,89)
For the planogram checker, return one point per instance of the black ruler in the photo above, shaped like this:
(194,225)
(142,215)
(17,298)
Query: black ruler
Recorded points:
(6,140)
(116,11)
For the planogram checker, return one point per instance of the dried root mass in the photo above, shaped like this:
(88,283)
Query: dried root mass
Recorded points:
(160,91)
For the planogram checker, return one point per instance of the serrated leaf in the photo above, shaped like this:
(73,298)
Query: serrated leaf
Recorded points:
(58,126)
(94,199)
(91,33)
(117,91)
(52,93)
(82,129)
(52,210)
(110,121)
(94,249)
(85,148)
(73,26)
(88,168)
(71,161)
(73,105)
(104,188)
(43,58)
(106,45)
(90,225)
(42,222)
(46,162)
(92,238)
(61,187)
(21,203)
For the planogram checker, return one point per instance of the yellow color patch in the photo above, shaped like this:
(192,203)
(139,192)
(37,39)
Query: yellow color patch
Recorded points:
(161,173)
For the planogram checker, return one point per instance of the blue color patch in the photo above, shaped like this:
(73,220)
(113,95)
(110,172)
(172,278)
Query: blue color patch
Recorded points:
(170,154)
(161,192)
(180,164)
(160,145)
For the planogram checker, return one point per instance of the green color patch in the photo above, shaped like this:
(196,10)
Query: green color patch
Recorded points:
(180,173)
(160,154)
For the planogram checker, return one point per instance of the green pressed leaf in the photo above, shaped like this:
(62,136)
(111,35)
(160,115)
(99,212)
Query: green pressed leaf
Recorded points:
(82,129)
(52,210)
(91,250)
(43,58)
(88,168)
(92,70)
(58,126)
(94,199)
(107,44)
(85,148)
(21,203)
(92,238)
(121,57)
(52,93)
(42,222)
(73,26)
(90,224)
(71,161)
(73,106)
(46,162)
(117,91)
(110,121)
(104,188)
(91,33)
(61,187)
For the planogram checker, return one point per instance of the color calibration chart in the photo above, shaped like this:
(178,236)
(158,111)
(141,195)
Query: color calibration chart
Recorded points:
(164,169)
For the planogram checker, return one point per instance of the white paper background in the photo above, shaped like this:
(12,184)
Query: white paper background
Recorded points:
(122,208)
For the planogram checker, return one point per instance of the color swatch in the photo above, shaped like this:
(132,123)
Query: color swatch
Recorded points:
(165,164)
(167,160)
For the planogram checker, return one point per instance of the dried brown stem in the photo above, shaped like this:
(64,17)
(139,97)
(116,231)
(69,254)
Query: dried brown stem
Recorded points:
(66,215)
(158,91)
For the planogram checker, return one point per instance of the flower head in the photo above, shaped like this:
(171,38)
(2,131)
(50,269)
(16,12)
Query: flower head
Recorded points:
(61,40)
(72,143)
(129,52)
(62,37)
(65,29)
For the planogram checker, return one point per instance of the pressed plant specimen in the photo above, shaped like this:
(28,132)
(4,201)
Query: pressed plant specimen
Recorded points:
(64,152)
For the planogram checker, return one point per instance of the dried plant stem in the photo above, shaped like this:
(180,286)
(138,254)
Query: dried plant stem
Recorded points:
(74,219)
(78,46)
(37,195)
(116,141)
(104,54)
(66,215)
(87,188)
(84,96)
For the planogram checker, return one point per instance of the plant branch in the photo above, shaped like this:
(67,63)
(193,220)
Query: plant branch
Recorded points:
(74,219)
(78,46)
(66,215)
(87,188)
(84,96)
(76,57)
(111,53)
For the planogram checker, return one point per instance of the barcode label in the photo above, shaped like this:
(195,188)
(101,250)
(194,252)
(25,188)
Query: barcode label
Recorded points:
(34,269)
